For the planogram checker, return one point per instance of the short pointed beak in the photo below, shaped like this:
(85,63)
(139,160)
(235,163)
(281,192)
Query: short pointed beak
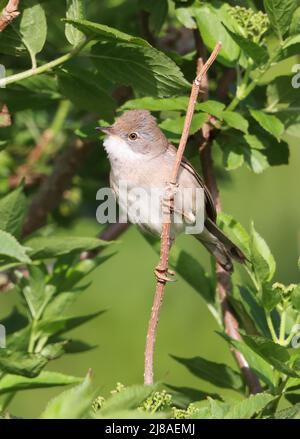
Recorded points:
(106,130)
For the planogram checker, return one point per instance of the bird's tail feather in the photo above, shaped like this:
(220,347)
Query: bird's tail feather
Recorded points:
(220,246)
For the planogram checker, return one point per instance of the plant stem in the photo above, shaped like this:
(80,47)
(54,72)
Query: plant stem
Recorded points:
(282,327)
(32,337)
(271,327)
(289,338)
(44,68)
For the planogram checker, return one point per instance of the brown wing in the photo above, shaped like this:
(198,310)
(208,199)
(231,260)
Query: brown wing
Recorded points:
(209,202)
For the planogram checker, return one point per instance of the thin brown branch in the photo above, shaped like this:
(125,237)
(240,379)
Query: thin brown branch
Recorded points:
(223,278)
(9,13)
(162,268)
(52,189)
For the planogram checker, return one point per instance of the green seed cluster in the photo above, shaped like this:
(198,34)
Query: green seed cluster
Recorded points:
(157,401)
(255,24)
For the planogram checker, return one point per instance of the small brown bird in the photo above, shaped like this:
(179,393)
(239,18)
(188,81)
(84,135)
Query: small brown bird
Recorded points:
(141,155)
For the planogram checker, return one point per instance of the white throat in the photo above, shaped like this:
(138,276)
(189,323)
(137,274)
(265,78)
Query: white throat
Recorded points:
(118,150)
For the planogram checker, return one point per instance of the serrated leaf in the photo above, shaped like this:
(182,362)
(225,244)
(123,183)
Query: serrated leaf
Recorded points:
(149,72)
(21,363)
(13,210)
(263,261)
(13,383)
(249,407)
(129,398)
(51,247)
(233,157)
(83,89)
(33,26)
(97,31)
(62,325)
(11,248)
(259,54)
(268,122)
(212,30)
(218,374)
(260,366)
(74,403)
(236,120)
(289,413)
(280,13)
(75,11)
(275,354)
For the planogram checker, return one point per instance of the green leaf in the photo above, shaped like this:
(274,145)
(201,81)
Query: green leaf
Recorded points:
(293,398)
(83,88)
(75,11)
(158,12)
(236,120)
(235,229)
(33,26)
(21,363)
(251,49)
(74,403)
(212,107)
(295,297)
(54,350)
(155,104)
(280,13)
(212,30)
(260,367)
(62,325)
(102,32)
(185,17)
(268,122)
(129,398)
(14,383)
(295,23)
(183,396)
(233,157)
(54,246)
(275,354)
(35,289)
(253,141)
(218,374)
(10,247)
(289,413)
(270,297)
(263,261)
(13,209)
(249,407)
(175,126)
(149,72)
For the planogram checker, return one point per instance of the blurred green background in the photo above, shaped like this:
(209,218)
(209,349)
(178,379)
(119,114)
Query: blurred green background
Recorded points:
(125,284)
(124,287)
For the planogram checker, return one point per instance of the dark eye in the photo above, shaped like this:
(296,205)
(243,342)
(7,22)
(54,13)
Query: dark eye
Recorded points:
(133,136)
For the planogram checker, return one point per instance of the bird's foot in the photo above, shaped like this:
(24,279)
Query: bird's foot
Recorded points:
(161,275)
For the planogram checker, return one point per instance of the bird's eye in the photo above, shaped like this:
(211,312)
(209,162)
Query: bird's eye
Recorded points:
(133,136)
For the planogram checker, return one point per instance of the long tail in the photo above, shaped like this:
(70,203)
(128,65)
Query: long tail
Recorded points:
(220,246)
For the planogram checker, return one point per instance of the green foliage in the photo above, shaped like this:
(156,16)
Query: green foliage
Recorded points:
(80,66)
